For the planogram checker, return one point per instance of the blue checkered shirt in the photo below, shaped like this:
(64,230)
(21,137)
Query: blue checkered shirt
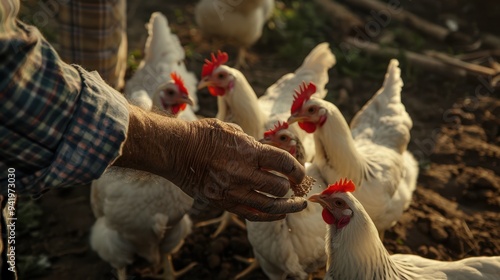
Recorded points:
(59,124)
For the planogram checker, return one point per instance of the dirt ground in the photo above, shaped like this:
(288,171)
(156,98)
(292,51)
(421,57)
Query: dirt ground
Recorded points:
(455,211)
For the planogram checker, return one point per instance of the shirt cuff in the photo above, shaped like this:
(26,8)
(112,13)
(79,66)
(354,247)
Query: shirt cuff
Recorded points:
(92,140)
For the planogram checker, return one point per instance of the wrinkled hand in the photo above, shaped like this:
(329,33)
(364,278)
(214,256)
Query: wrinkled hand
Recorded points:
(226,167)
(214,162)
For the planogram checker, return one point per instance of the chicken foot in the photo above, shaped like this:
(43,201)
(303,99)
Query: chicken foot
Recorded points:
(169,272)
(253,265)
(224,220)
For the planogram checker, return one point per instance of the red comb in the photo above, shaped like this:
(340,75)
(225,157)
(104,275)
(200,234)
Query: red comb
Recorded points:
(343,185)
(277,127)
(179,82)
(306,91)
(209,66)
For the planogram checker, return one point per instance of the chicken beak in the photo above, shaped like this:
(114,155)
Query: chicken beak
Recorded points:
(205,82)
(185,99)
(295,118)
(317,199)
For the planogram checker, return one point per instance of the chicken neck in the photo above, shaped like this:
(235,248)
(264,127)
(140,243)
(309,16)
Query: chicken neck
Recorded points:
(336,151)
(244,106)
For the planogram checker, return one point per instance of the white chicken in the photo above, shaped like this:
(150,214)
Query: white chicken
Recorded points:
(372,153)
(237,22)
(236,99)
(356,252)
(163,55)
(238,103)
(295,246)
(283,137)
(138,213)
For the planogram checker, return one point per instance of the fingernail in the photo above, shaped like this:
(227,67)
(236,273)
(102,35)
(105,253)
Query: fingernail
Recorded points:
(304,205)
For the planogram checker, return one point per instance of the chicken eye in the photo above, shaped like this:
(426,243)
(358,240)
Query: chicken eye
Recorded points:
(220,76)
(283,138)
(170,92)
(338,203)
(311,109)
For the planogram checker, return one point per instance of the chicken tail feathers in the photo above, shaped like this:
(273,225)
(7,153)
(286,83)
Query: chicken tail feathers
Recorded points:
(392,82)
(383,119)
(319,60)
(161,41)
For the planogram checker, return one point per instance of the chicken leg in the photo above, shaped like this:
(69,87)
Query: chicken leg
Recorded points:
(241,62)
(169,272)
(225,219)
(121,273)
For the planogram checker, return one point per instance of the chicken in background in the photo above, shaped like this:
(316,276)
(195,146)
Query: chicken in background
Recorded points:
(236,100)
(139,213)
(238,23)
(372,152)
(174,99)
(295,246)
(282,137)
(163,55)
(355,250)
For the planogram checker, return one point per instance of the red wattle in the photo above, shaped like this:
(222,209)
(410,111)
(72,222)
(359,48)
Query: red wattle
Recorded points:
(322,120)
(308,127)
(175,109)
(343,222)
(328,217)
(216,91)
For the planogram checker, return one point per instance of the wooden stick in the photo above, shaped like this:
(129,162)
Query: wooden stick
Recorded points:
(419,60)
(399,14)
(469,67)
(478,55)
(340,15)
(491,40)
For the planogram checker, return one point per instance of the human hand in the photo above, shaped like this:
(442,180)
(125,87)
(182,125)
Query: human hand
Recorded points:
(216,162)
(230,169)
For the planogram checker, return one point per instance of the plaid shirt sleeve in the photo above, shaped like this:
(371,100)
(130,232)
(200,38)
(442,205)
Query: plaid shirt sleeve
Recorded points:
(59,124)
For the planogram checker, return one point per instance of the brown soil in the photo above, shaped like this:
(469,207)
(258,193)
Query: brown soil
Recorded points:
(455,212)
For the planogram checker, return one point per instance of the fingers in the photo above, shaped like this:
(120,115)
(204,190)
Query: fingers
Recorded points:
(237,127)
(270,205)
(278,160)
(269,183)
(253,214)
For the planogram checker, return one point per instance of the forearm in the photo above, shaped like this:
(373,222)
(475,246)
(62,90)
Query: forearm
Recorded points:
(150,142)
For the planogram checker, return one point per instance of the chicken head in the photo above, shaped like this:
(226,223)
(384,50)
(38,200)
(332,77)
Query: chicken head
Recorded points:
(216,76)
(172,96)
(336,209)
(306,111)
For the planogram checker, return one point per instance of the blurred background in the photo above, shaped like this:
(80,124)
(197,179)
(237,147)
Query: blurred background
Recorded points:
(449,52)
